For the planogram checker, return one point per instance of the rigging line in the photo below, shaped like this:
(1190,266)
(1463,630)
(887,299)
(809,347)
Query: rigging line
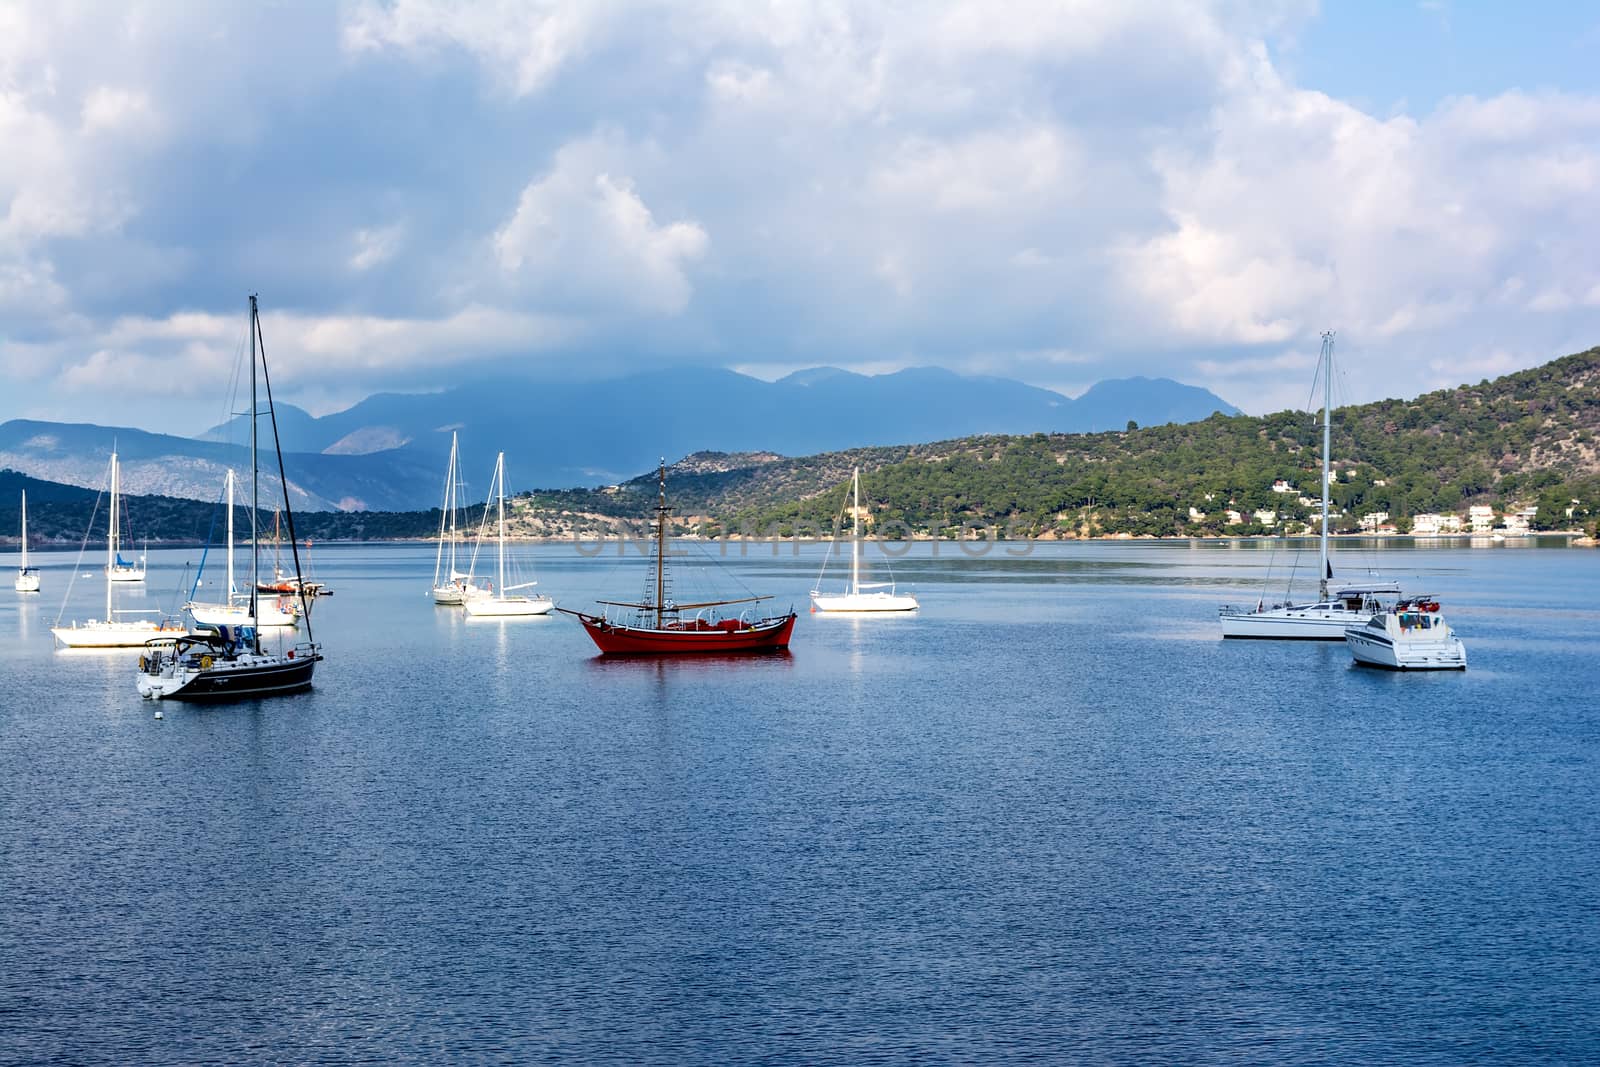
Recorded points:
(83,548)
(177,597)
(700,546)
(207,550)
(477,540)
(230,402)
(833,542)
(283,481)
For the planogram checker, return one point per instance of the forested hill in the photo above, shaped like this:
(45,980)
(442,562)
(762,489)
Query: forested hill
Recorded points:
(1525,439)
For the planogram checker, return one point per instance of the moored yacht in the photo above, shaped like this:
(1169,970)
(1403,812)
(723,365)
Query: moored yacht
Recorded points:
(117,629)
(1328,617)
(860,596)
(237,610)
(228,662)
(27,580)
(499,605)
(1325,620)
(450,587)
(1411,636)
(658,625)
(117,568)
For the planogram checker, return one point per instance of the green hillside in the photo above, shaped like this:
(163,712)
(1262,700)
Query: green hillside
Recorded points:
(1523,439)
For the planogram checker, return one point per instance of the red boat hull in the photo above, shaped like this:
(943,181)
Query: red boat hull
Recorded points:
(768,635)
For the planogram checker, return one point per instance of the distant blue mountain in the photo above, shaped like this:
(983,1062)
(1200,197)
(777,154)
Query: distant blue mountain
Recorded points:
(566,434)
(389,450)
(1110,404)
(79,454)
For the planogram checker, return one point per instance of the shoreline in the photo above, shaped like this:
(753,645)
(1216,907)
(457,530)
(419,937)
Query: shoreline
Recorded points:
(1575,538)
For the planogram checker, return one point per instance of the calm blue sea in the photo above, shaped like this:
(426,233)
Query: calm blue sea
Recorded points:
(1050,817)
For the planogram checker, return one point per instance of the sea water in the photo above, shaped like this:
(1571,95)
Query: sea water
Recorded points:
(1049,816)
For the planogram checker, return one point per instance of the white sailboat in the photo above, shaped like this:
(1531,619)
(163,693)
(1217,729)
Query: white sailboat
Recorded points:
(861,596)
(1332,613)
(27,580)
(117,568)
(235,610)
(112,632)
(499,605)
(451,587)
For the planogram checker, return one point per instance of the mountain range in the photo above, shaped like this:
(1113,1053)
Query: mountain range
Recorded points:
(388,452)
(1525,441)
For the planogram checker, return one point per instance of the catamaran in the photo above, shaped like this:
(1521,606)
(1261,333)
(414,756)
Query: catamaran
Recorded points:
(237,609)
(450,587)
(228,662)
(1348,605)
(111,631)
(27,580)
(658,625)
(882,596)
(497,604)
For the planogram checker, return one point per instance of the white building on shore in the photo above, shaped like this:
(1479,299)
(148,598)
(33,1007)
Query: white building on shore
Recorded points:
(1430,524)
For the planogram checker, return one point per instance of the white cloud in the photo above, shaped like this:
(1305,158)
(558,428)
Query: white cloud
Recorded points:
(112,110)
(1301,210)
(525,43)
(354,342)
(1001,169)
(374,247)
(585,235)
(772,184)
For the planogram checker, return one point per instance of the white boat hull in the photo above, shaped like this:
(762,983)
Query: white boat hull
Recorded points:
(863,602)
(27,582)
(270,615)
(1377,650)
(97,634)
(1412,637)
(495,607)
(243,676)
(1304,623)
(458,593)
(125,574)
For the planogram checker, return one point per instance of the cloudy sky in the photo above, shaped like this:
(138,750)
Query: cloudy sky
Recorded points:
(1061,192)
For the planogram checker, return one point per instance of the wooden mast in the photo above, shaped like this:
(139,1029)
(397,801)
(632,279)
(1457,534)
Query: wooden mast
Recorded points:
(661,541)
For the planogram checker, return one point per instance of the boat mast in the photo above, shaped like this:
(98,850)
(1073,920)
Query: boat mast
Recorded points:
(283,477)
(855,541)
(661,541)
(111,537)
(255,481)
(1327,440)
(450,491)
(24,567)
(447,518)
(500,511)
(232,589)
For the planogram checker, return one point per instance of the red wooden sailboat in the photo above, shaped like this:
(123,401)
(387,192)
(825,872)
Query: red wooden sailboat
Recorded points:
(661,626)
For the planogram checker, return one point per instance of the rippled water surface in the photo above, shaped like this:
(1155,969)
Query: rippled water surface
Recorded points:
(1050,816)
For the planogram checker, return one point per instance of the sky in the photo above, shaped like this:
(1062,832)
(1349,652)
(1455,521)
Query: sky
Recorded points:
(427,192)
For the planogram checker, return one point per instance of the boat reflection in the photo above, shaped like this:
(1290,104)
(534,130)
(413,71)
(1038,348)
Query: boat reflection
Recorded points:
(698,663)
